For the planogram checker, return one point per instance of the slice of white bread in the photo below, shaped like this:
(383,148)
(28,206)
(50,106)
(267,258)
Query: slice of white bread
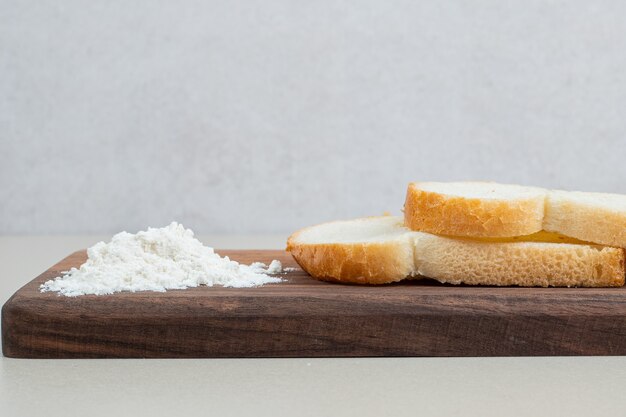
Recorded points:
(593,217)
(372,250)
(491,210)
(475,209)
(378,250)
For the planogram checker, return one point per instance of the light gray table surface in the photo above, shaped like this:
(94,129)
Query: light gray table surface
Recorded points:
(575,386)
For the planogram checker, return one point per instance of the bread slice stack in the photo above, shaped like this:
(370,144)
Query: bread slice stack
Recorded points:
(476,233)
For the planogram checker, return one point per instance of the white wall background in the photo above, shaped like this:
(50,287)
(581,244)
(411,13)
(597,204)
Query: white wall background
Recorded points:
(265,116)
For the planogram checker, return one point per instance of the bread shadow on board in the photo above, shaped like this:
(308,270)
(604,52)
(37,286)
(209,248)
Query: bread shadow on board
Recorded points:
(427,282)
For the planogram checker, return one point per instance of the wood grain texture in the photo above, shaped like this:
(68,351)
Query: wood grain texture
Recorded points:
(303,317)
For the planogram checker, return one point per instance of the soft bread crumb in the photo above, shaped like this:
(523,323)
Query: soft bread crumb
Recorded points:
(593,217)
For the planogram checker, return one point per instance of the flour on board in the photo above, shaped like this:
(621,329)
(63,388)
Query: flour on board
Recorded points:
(157,259)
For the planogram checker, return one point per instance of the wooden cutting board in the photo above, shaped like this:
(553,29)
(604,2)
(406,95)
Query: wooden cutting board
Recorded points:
(303,317)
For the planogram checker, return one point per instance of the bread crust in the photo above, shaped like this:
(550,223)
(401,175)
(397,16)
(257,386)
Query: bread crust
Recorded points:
(442,214)
(356,263)
(365,263)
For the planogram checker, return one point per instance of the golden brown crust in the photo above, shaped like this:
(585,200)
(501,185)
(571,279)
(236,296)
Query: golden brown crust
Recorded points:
(442,214)
(358,263)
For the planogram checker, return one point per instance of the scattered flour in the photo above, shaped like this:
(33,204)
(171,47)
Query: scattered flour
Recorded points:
(275,267)
(157,260)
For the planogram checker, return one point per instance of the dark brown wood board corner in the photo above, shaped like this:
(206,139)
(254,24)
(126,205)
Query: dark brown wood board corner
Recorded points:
(302,317)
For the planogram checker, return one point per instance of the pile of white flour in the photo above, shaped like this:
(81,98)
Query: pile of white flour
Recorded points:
(158,259)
